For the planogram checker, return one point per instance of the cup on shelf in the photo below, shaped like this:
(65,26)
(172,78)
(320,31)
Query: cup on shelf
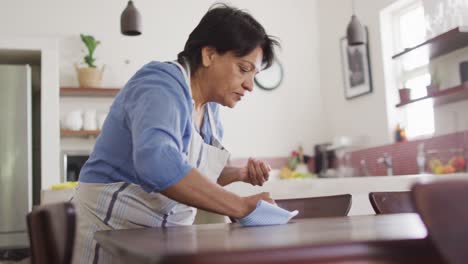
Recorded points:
(73,120)
(405,95)
(432,89)
(89,120)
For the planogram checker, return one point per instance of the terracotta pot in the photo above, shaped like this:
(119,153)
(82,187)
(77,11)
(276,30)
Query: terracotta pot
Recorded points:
(89,77)
(431,90)
(405,95)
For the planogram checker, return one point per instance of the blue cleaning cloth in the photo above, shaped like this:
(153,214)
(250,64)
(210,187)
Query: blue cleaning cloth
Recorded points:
(267,214)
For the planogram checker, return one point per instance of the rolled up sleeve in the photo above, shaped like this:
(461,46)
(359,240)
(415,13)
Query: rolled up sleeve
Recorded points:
(157,117)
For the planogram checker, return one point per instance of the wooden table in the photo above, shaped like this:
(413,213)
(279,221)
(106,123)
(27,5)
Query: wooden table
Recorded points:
(371,239)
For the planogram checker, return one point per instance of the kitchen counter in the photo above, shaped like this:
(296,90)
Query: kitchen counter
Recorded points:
(358,187)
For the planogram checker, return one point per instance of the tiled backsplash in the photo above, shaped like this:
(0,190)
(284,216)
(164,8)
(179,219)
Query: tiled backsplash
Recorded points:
(403,155)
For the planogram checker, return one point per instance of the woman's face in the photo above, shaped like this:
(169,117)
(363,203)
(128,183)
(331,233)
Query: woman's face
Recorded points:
(228,77)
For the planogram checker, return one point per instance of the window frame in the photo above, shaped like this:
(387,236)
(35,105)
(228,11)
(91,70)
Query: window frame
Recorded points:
(402,75)
(405,75)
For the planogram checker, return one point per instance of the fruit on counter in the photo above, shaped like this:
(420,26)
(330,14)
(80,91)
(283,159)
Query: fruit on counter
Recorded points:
(455,164)
(448,169)
(458,163)
(434,163)
(436,166)
(287,173)
(64,185)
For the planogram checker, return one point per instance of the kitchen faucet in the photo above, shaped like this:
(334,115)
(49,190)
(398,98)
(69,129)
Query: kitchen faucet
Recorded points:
(387,161)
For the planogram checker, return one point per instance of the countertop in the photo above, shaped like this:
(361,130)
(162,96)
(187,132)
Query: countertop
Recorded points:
(358,187)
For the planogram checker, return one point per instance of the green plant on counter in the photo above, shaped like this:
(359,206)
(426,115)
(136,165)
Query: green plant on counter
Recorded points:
(91,45)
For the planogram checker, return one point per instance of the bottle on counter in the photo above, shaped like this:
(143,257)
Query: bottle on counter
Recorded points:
(301,166)
(421,159)
(400,134)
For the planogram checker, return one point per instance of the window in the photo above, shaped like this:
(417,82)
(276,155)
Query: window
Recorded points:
(413,69)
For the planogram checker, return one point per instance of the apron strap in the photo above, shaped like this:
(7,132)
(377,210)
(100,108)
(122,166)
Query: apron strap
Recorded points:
(186,73)
(214,131)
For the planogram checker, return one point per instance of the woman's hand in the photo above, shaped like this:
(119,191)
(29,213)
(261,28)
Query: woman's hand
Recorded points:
(256,172)
(252,201)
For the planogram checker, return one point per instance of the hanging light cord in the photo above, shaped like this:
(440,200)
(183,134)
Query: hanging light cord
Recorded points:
(353,7)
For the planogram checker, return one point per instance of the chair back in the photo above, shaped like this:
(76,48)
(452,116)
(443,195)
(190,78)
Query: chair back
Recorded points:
(51,231)
(391,202)
(442,207)
(314,207)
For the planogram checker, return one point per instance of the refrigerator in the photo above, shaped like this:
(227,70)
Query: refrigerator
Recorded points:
(15,154)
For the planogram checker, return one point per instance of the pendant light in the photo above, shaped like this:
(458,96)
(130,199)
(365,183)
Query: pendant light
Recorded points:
(130,21)
(355,32)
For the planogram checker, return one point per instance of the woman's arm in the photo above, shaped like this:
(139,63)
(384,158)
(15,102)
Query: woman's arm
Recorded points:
(198,191)
(229,175)
(256,172)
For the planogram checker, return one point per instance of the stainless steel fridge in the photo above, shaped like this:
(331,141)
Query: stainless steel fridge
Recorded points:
(15,154)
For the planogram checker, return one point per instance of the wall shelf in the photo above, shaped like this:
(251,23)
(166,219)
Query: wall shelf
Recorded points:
(445,96)
(447,42)
(79,133)
(91,92)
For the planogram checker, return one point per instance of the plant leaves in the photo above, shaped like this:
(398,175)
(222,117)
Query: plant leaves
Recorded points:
(91,43)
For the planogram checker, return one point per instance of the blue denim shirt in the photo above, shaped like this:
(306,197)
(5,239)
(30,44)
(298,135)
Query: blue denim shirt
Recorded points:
(146,134)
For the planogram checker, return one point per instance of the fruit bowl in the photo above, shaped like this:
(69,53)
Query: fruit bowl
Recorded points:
(445,161)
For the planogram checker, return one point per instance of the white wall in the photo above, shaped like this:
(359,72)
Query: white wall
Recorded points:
(265,124)
(364,116)
(269,124)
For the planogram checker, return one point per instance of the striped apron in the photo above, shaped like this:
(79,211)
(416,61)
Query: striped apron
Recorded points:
(122,205)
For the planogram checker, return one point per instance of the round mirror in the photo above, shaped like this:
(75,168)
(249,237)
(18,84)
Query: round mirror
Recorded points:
(270,78)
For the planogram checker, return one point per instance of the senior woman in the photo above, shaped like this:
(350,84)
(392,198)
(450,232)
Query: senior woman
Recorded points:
(159,155)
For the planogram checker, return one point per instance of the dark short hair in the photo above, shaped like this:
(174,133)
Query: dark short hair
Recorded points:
(228,29)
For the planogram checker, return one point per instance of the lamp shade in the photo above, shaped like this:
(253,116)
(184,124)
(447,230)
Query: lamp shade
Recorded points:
(130,21)
(355,32)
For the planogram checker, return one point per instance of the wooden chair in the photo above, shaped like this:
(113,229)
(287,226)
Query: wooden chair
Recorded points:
(443,209)
(314,207)
(391,202)
(51,233)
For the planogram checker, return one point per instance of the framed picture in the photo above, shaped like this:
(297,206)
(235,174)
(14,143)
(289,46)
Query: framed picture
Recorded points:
(356,69)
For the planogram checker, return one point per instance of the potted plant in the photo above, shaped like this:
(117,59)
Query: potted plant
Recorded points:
(89,76)
(405,94)
(435,84)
